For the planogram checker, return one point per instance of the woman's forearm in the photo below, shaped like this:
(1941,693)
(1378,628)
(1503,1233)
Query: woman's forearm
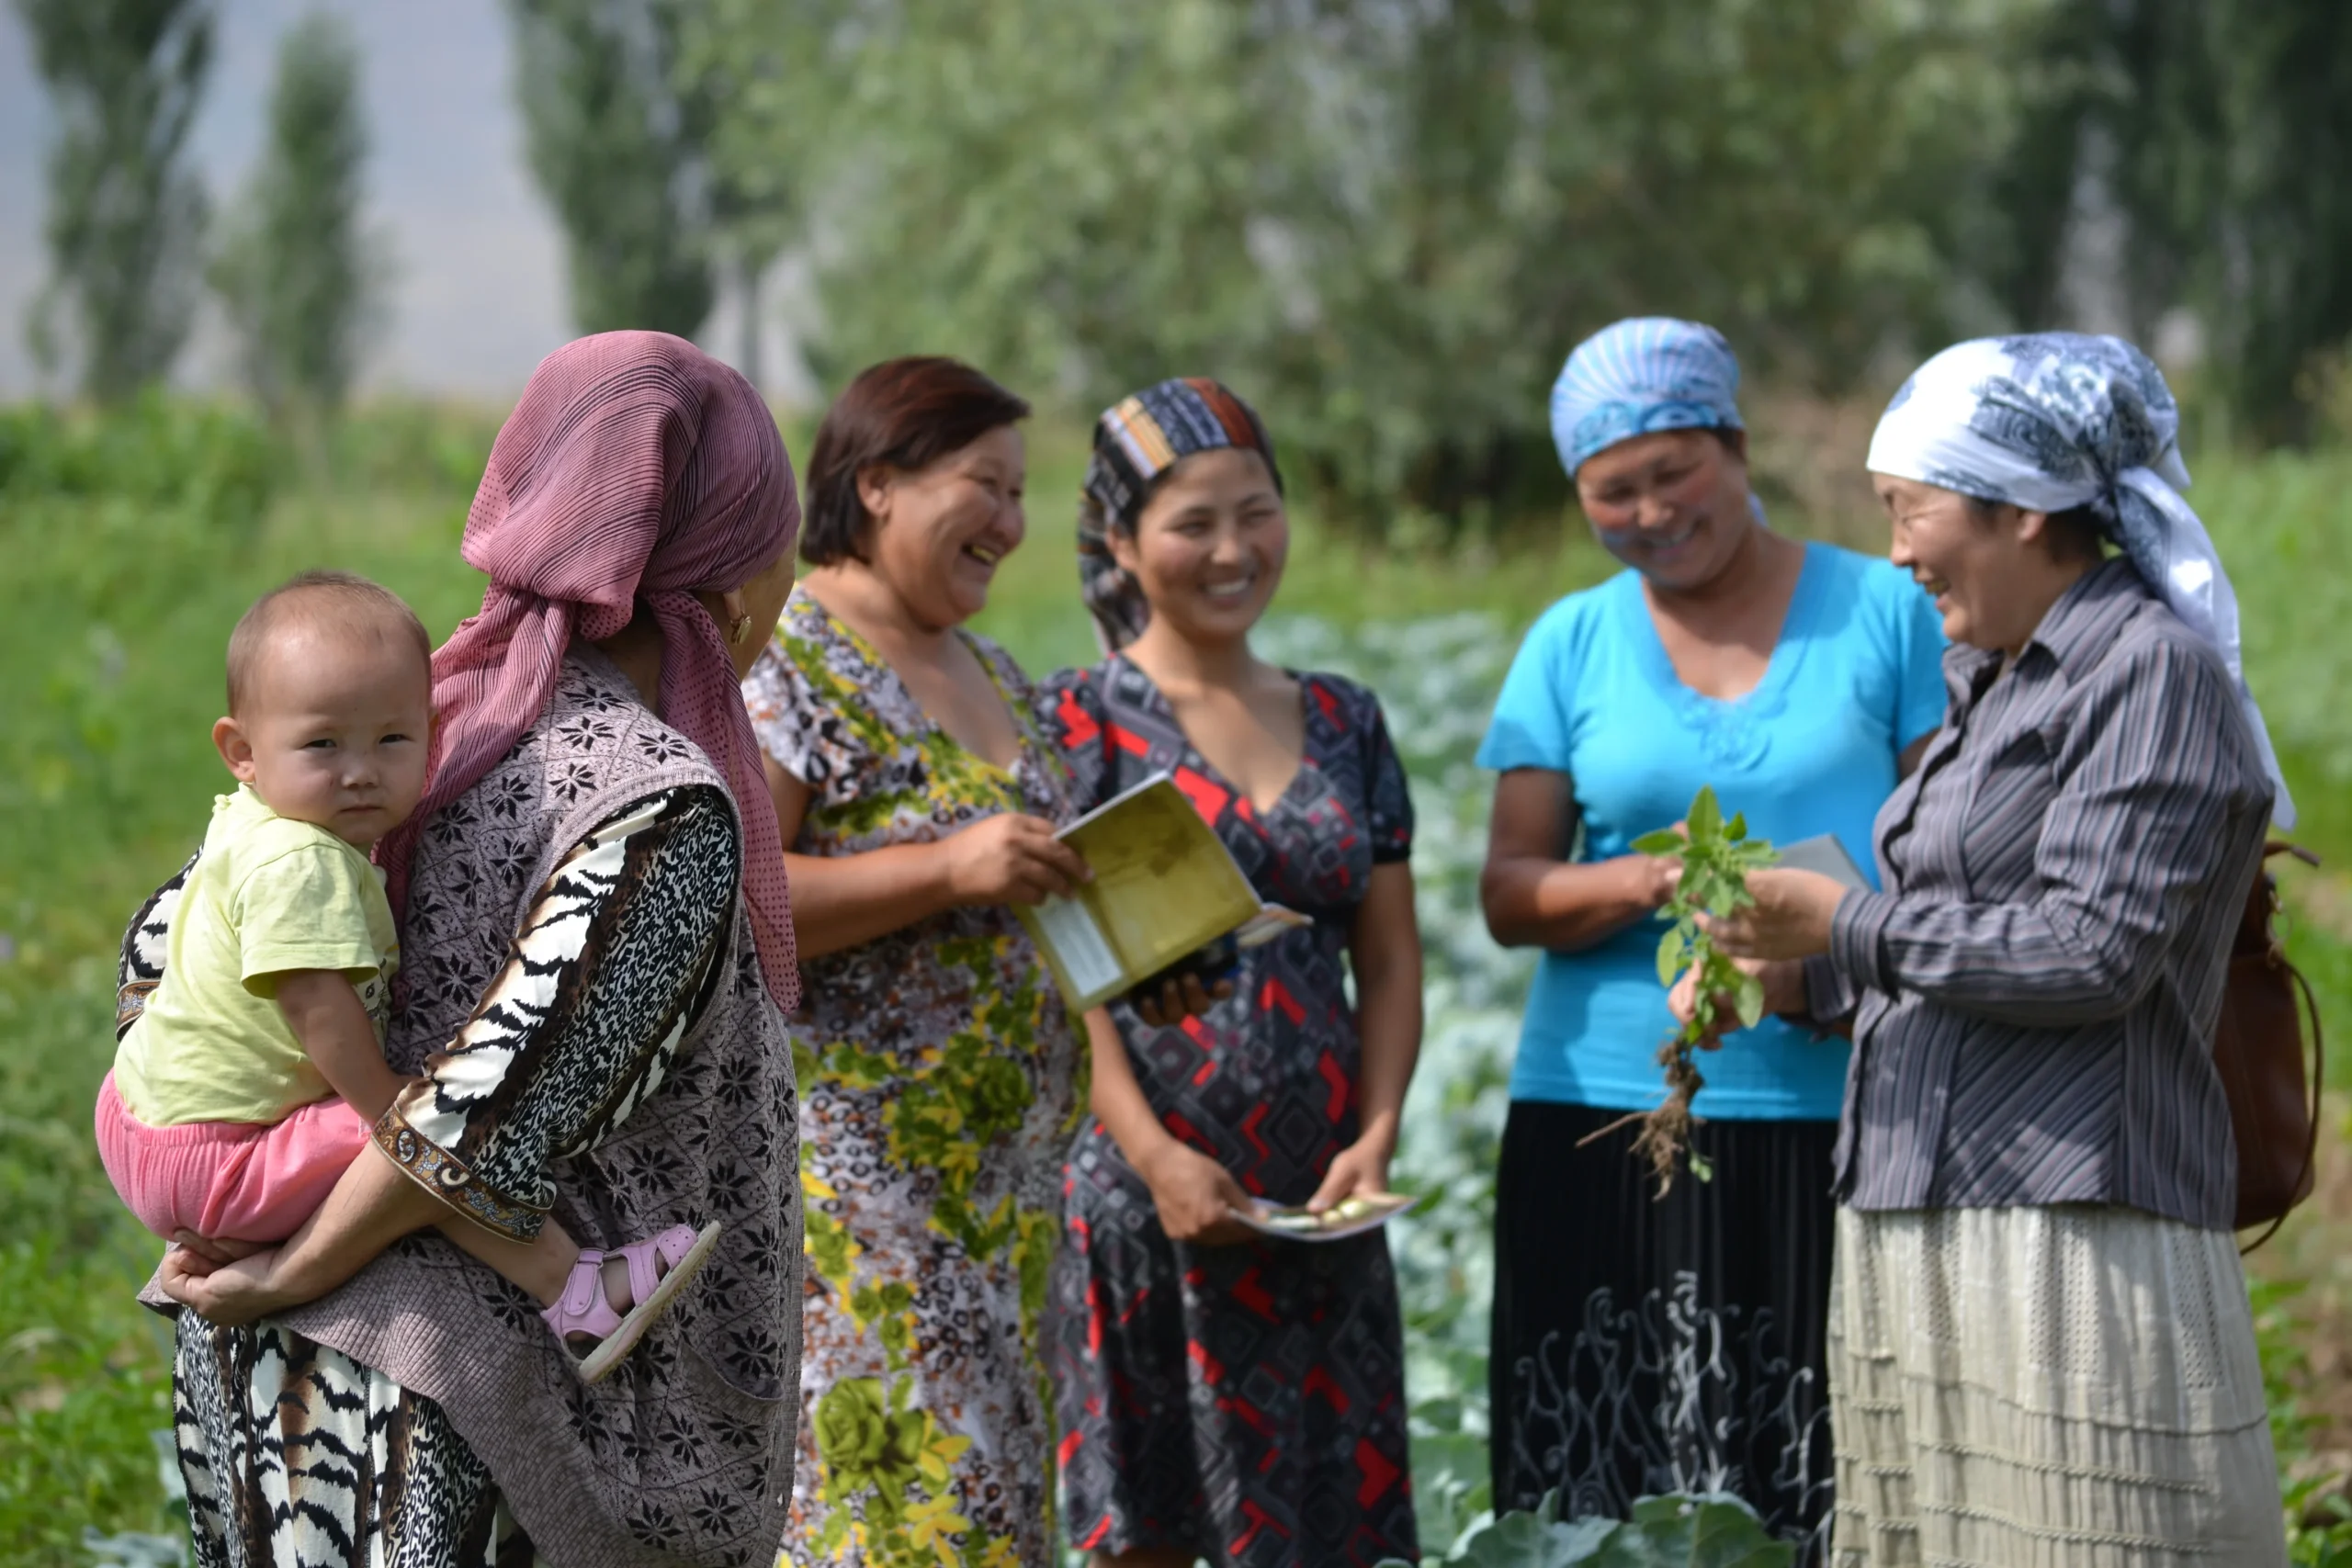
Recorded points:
(1385,953)
(1389,1015)
(373,1205)
(1567,905)
(1117,1100)
(839,901)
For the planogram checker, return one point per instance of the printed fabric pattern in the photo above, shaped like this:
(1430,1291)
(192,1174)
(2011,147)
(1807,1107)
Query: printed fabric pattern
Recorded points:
(1243,1402)
(299,1451)
(684,1454)
(941,1080)
(2053,421)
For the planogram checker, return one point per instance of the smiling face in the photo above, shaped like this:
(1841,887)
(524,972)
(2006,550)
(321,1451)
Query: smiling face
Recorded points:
(332,726)
(1672,504)
(1994,570)
(939,531)
(1209,547)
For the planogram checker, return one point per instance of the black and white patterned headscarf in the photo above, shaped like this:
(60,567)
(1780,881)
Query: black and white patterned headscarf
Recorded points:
(2054,421)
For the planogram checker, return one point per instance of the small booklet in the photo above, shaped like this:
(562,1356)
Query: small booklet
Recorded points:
(1348,1216)
(1823,853)
(1164,884)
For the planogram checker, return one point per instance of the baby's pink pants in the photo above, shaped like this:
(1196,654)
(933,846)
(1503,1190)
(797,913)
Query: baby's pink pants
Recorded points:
(228,1180)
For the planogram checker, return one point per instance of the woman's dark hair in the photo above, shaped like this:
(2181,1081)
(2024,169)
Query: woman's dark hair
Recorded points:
(2075,534)
(901,413)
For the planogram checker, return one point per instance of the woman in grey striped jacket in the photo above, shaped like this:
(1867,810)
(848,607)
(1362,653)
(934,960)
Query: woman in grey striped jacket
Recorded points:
(2041,1350)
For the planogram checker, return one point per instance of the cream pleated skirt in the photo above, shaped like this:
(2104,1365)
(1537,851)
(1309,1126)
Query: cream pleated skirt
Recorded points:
(2067,1387)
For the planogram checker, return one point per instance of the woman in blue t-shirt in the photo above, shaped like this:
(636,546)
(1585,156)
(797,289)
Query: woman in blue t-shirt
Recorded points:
(1642,1344)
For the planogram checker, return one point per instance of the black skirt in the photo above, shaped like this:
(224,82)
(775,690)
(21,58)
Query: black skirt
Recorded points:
(1643,1346)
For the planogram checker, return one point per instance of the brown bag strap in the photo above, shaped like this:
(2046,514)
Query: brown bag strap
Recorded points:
(2319,1065)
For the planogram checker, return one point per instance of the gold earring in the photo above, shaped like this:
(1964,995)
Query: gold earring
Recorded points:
(739,631)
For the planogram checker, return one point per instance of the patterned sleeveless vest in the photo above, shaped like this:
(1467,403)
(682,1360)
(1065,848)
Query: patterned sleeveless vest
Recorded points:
(685,1453)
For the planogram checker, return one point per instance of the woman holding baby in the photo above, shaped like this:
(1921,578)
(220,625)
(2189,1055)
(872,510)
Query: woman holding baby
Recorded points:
(596,953)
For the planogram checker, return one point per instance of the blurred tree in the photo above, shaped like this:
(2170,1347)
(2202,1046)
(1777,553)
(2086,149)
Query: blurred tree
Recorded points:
(126,214)
(2020,242)
(1385,222)
(2222,131)
(297,272)
(755,196)
(2282,170)
(618,152)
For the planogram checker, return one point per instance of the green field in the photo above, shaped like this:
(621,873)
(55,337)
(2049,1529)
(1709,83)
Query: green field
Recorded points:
(131,545)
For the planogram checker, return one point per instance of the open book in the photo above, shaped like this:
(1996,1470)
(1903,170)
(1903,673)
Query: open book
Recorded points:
(1164,884)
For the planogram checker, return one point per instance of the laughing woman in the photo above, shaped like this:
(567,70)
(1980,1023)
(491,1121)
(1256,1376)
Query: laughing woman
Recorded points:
(2040,1351)
(1222,1396)
(939,1073)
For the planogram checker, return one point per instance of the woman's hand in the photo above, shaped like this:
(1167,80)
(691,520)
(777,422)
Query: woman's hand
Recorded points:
(1653,876)
(1790,918)
(1783,993)
(1011,860)
(1177,998)
(1195,1196)
(1361,1166)
(231,1294)
(210,1254)
(1188,987)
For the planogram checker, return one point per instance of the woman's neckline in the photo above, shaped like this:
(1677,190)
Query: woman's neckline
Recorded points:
(873,656)
(1200,758)
(1788,641)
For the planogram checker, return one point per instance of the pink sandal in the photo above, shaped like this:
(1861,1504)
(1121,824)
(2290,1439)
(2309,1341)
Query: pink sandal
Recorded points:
(583,1309)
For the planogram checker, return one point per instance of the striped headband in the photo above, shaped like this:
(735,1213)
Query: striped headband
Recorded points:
(1645,373)
(1136,440)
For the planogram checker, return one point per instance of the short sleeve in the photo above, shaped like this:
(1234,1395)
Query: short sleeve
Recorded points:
(1920,641)
(1388,799)
(1070,708)
(811,737)
(1531,726)
(304,908)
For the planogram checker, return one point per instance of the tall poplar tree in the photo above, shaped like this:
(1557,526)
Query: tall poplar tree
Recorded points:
(126,214)
(296,274)
(616,149)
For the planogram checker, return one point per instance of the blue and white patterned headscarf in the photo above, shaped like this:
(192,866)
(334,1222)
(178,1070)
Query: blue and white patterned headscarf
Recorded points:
(1645,373)
(2052,421)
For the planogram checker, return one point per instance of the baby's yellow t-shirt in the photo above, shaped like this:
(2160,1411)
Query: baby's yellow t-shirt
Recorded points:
(268,896)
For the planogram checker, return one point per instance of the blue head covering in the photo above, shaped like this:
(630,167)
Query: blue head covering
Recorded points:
(1646,373)
(2053,421)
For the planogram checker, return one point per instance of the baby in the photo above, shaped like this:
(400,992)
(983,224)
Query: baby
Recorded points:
(256,1072)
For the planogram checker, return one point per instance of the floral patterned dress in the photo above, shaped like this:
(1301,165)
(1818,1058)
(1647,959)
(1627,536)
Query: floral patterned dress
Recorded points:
(1247,1403)
(941,1080)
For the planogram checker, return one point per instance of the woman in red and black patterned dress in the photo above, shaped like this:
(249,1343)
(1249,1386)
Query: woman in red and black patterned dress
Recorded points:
(1223,1395)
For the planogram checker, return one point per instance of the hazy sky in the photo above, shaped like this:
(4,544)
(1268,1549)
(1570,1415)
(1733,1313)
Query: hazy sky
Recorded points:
(476,296)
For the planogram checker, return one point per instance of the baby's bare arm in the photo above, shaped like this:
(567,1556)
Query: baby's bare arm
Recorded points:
(323,1011)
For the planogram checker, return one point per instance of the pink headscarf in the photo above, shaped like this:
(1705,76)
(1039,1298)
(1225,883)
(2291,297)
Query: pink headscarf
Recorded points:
(636,468)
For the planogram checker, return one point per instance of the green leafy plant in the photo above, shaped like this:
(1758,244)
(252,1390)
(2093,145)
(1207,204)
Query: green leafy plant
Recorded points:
(1716,1530)
(1716,857)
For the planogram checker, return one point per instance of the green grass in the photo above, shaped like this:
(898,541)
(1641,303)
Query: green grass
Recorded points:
(131,547)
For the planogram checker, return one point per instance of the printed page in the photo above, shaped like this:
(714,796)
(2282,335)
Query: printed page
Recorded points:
(1076,942)
(1164,884)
